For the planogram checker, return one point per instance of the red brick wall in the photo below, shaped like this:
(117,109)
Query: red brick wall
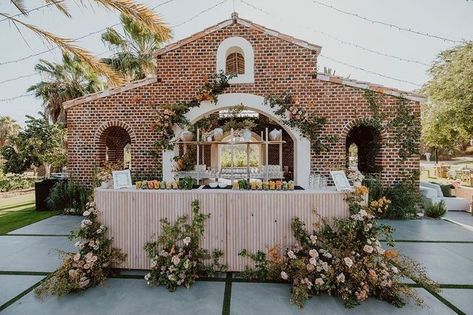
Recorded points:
(280,66)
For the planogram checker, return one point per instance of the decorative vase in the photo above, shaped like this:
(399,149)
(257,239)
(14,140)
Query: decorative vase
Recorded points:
(246,134)
(275,135)
(186,135)
(218,134)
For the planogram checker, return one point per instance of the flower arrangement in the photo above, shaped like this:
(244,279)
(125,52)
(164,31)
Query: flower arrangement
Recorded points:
(177,258)
(90,266)
(287,107)
(355,176)
(171,115)
(104,174)
(346,259)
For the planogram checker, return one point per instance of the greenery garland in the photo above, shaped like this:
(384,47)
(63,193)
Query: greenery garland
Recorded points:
(310,125)
(171,115)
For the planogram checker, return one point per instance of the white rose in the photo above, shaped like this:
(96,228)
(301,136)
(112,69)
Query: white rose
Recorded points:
(86,213)
(186,241)
(341,278)
(147,276)
(319,281)
(313,239)
(291,254)
(284,275)
(368,249)
(313,253)
(348,261)
(313,261)
(175,260)
(394,269)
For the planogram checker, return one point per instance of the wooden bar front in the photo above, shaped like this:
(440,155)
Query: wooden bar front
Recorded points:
(239,220)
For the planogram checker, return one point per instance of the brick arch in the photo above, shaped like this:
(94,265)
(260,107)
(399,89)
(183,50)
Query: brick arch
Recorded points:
(114,136)
(367,122)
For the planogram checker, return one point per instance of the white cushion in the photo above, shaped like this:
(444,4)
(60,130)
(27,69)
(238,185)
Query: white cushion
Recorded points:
(433,186)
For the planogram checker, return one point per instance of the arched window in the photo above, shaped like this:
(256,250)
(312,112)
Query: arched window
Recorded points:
(235,56)
(235,63)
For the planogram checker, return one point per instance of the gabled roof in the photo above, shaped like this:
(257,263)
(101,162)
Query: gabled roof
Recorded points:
(111,91)
(371,86)
(246,23)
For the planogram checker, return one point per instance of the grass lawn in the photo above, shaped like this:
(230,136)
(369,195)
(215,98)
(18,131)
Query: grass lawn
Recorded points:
(20,211)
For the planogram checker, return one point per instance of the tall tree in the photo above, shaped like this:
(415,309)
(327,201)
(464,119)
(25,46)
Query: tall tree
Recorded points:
(8,128)
(130,8)
(40,143)
(62,82)
(134,49)
(448,116)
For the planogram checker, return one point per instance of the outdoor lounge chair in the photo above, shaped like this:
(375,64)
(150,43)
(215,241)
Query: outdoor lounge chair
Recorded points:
(433,193)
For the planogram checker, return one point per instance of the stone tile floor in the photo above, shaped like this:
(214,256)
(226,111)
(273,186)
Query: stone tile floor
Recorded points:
(28,254)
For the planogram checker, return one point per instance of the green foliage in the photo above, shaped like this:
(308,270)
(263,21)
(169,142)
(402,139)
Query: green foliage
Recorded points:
(176,257)
(266,267)
(40,143)
(186,183)
(435,210)
(404,198)
(447,120)
(134,49)
(310,125)
(407,130)
(15,182)
(64,81)
(8,129)
(90,266)
(69,197)
(172,115)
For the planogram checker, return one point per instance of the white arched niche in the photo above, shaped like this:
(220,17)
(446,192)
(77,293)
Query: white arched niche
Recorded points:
(255,103)
(241,45)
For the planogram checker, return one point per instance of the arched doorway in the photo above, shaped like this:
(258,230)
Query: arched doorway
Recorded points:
(115,147)
(299,145)
(363,145)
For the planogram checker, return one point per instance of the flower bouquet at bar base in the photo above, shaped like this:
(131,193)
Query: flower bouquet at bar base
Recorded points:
(91,265)
(344,259)
(177,258)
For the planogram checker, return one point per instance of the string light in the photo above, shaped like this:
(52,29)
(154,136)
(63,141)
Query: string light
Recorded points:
(19,77)
(370,71)
(29,11)
(9,99)
(400,28)
(343,41)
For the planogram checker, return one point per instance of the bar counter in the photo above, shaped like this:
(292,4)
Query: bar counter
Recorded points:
(239,219)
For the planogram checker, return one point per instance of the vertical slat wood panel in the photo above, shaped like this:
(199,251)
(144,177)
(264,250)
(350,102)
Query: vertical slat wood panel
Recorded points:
(239,220)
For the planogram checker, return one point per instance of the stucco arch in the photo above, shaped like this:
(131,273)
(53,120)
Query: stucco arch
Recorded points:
(256,103)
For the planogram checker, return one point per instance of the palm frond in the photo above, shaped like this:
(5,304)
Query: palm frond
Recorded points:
(69,45)
(20,5)
(140,13)
(60,5)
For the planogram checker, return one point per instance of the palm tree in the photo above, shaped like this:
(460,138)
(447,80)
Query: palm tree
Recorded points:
(62,82)
(133,10)
(8,128)
(133,56)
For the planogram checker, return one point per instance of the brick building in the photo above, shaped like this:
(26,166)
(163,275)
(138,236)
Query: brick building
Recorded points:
(101,125)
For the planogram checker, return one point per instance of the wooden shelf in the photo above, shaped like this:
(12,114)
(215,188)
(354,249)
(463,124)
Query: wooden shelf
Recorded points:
(228,142)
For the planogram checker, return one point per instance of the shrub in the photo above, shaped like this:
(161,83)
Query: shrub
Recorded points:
(69,197)
(435,210)
(15,182)
(90,266)
(177,258)
(404,197)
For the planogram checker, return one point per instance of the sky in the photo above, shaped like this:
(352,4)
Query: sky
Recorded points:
(351,46)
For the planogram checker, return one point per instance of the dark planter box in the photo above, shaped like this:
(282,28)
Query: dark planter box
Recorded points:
(42,190)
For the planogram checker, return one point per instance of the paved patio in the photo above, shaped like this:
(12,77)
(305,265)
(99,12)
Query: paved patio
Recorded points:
(30,253)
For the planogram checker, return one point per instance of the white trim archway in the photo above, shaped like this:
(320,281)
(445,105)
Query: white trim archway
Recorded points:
(255,103)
